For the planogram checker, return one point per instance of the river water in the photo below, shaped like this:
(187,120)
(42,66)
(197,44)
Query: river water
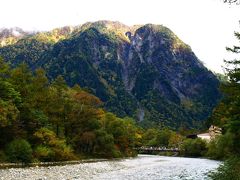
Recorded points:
(143,167)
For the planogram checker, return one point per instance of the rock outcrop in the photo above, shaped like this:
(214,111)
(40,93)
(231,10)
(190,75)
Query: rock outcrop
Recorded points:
(145,72)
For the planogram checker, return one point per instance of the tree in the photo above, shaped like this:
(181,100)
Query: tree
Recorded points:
(123,131)
(175,140)
(56,106)
(193,147)
(227,171)
(83,117)
(22,78)
(19,150)
(57,120)
(231,91)
(221,147)
(149,137)
(10,102)
(163,137)
(104,144)
(229,114)
(4,69)
(50,148)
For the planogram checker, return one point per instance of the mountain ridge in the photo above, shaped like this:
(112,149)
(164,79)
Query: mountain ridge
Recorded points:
(145,72)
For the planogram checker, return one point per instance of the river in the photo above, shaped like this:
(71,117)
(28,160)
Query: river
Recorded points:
(143,167)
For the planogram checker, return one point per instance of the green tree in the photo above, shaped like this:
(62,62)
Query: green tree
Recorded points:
(19,150)
(221,147)
(10,99)
(4,69)
(10,102)
(175,140)
(104,144)
(149,137)
(56,107)
(232,91)
(163,137)
(229,114)
(50,147)
(124,132)
(193,147)
(228,171)
(57,120)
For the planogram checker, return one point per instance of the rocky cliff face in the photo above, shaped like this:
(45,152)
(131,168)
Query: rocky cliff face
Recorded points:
(145,72)
(158,66)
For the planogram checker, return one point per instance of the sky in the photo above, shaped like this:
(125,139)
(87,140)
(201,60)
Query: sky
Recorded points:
(206,25)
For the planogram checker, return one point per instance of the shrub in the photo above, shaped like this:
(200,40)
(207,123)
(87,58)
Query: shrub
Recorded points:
(3,157)
(221,147)
(230,170)
(104,145)
(51,148)
(44,153)
(193,147)
(19,150)
(63,152)
(116,153)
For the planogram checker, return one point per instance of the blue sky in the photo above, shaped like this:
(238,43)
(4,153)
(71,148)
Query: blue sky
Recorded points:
(206,25)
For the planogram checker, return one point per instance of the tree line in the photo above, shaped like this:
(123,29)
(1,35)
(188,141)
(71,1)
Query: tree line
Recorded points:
(50,121)
(43,120)
(227,116)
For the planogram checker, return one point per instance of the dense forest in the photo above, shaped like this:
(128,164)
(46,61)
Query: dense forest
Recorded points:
(44,120)
(50,121)
(145,72)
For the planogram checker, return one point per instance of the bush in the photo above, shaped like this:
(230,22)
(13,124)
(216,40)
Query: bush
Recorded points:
(63,152)
(115,153)
(44,153)
(3,157)
(104,145)
(230,170)
(221,147)
(19,150)
(193,147)
(51,148)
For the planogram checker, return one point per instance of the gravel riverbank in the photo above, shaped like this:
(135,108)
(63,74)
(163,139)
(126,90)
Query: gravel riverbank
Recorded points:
(77,171)
(143,167)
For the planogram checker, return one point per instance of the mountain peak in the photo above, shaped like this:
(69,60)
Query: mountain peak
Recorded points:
(106,24)
(142,71)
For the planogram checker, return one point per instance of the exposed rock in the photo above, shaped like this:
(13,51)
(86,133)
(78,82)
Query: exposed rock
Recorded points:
(141,71)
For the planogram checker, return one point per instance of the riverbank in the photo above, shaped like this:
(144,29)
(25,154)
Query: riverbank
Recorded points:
(142,167)
(44,164)
(86,160)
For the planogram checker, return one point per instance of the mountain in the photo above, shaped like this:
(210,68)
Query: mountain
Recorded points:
(144,71)
(11,36)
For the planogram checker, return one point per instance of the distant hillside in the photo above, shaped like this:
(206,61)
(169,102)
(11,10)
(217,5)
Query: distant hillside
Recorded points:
(11,36)
(145,71)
